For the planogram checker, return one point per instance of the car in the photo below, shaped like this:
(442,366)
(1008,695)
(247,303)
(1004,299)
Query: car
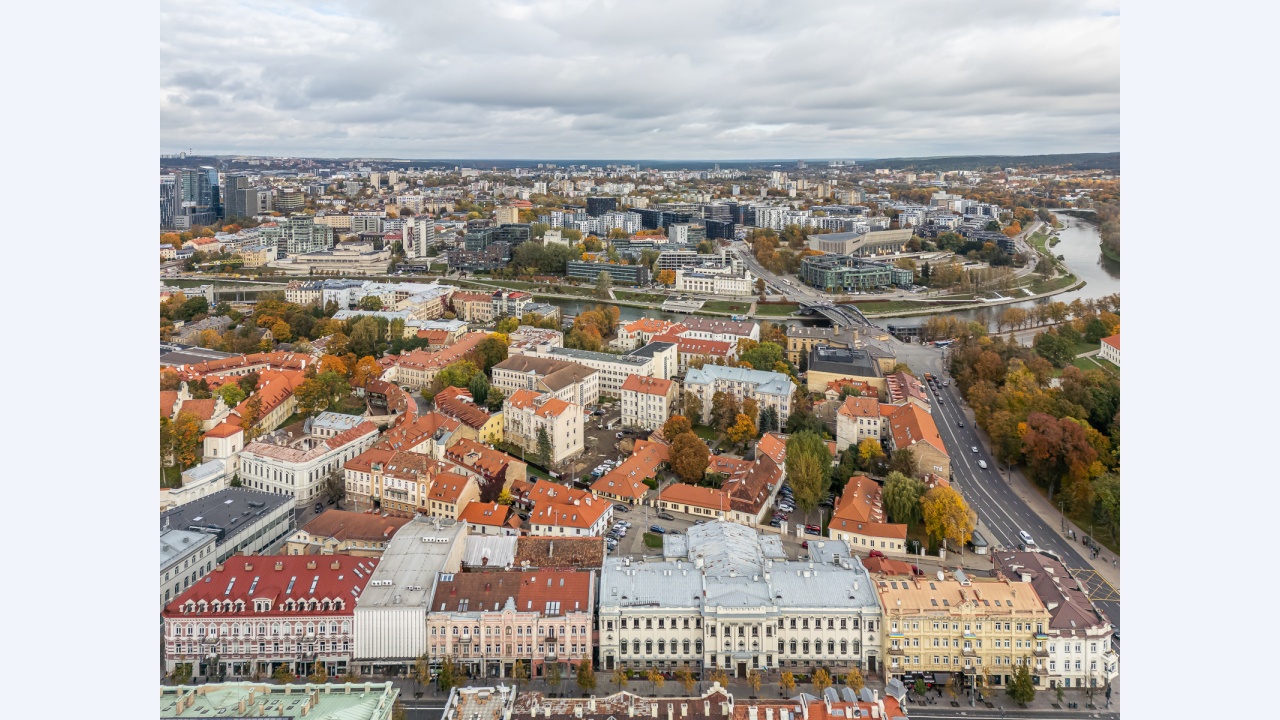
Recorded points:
(657,529)
(1026,537)
(875,553)
(524,516)
(625,524)
(621,508)
(916,571)
(699,522)
(975,448)
(805,544)
(666,516)
(982,464)
(619,436)
(319,508)
(1022,546)
(813,529)
(959,423)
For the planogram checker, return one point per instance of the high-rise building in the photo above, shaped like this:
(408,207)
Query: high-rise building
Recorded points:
(241,197)
(597,206)
(170,201)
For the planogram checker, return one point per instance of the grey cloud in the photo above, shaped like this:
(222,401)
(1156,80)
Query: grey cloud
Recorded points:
(655,80)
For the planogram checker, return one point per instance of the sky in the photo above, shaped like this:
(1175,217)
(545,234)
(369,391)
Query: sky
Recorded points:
(654,80)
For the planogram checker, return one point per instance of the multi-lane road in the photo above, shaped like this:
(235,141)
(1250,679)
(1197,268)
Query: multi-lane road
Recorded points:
(1001,510)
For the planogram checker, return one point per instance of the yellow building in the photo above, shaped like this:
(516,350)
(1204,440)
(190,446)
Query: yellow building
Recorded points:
(959,624)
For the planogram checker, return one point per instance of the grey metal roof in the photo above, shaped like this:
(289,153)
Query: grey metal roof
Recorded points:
(174,544)
(225,509)
(598,356)
(409,564)
(336,421)
(498,551)
(206,470)
(649,350)
(843,361)
(640,584)
(769,383)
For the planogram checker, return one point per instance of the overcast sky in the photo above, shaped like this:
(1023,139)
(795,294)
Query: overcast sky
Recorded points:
(695,79)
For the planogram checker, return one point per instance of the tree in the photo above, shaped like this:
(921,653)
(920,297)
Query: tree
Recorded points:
(1056,450)
(169,380)
(495,398)
(787,682)
(768,419)
(544,447)
(335,488)
(186,438)
(724,410)
(231,394)
(903,461)
(586,675)
(690,457)
(763,356)
(808,468)
(751,409)
(507,325)
(1055,348)
(821,681)
(478,387)
(604,283)
(953,687)
(742,430)
(181,671)
(318,676)
(667,277)
(420,672)
(693,408)
(252,414)
(447,678)
(946,516)
(366,370)
(685,677)
(655,677)
(369,302)
(491,351)
(919,687)
(676,426)
(1021,688)
(282,674)
(869,451)
(753,681)
(720,676)
(854,680)
(519,673)
(901,497)
(619,676)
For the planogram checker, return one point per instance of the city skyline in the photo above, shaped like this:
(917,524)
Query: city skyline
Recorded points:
(511,80)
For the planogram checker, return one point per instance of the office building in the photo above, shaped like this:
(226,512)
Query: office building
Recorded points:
(597,206)
(185,557)
(768,389)
(298,235)
(637,275)
(241,197)
(848,273)
(240,520)
(170,201)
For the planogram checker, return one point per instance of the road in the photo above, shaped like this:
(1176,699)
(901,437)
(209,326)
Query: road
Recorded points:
(964,712)
(1000,508)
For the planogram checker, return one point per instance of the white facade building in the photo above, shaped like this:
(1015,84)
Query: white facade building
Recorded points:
(285,465)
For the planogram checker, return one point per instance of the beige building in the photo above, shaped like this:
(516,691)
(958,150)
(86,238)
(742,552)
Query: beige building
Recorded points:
(526,413)
(257,255)
(342,532)
(504,214)
(911,427)
(800,340)
(337,222)
(473,307)
(974,626)
(647,401)
(715,281)
(857,419)
(565,380)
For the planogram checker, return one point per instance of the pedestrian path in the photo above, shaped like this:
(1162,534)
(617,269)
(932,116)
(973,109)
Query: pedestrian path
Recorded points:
(1106,564)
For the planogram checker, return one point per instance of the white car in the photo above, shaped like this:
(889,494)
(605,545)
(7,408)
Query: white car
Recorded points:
(975,448)
(982,464)
(1026,538)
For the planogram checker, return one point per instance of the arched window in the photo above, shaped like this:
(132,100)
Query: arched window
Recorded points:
(275,629)
(345,628)
(685,647)
(648,647)
(793,647)
(831,647)
(635,646)
(662,646)
(844,647)
(508,631)
(262,629)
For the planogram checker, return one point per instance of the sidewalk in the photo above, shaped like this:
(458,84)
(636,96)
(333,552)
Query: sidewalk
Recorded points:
(1053,518)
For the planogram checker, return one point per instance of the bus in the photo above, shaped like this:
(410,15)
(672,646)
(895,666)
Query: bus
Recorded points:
(943,343)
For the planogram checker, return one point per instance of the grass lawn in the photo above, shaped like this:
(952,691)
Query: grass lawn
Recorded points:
(725,306)
(639,296)
(1084,347)
(1085,363)
(1108,365)
(653,541)
(879,308)
(173,476)
(537,472)
(1043,286)
(786,309)
(439,268)
(704,432)
(349,406)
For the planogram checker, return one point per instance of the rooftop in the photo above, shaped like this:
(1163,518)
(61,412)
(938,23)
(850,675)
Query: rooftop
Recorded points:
(409,565)
(175,544)
(769,383)
(241,699)
(343,525)
(599,356)
(856,362)
(227,510)
(496,551)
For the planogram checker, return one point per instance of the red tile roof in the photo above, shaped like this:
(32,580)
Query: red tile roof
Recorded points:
(168,398)
(481,458)
(224,430)
(1112,340)
(627,480)
(860,407)
(647,385)
(457,403)
(491,514)
(447,487)
(911,425)
(241,574)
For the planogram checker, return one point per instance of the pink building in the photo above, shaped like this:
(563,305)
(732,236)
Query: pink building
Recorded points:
(489,621)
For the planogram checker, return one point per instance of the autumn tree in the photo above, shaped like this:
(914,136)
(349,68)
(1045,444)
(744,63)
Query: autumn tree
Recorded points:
(854,680)
(619,676)
(742,430)
(586,676)
(329,363)
(689,457)
(169,380)
(903,461)
(787,682)
(685,677)
(1056,450)
(869,451)
(366,369)
(753,681)
(946,516)
(675,426)
(821,681)
(186,438)
(901,498)
(655,677)
(724,410)
(667,277)
(808,469)
(604,283)
(692,408)
(1020,688)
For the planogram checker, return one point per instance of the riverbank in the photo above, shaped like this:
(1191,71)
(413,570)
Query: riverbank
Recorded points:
(1113,256)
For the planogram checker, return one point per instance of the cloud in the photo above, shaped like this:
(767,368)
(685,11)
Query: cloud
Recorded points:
(655,80)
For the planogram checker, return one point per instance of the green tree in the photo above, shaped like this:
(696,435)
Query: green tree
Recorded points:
(551,674)
(369,302)
(1055,348)
(446,679)
(768,419)
(586,675)
(763,356)
(1021,689)
(724,410)
(478,387)
(903,461)
(901,496)
(693,408)
(231,394)
(490,351)
(808,469)
(544,447)
(334,489)
(495,398)
(604,282)
(919,687)
(507,325)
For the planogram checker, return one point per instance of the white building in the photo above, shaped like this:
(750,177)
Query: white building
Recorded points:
(728,598)
(1110,349)
(185,557)
(714,281)
(768,389)
(730,331)
(297,466)
(647,401)
(526,414)
(613,369)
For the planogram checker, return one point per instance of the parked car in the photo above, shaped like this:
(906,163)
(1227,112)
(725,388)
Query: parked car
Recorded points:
(666,516)
(699,522)
(621,508)
(319,508)
(524,516)
(619,436)
(813,529)
(916,571)
(625,524)
(876,553)
(805,544)
(657,529)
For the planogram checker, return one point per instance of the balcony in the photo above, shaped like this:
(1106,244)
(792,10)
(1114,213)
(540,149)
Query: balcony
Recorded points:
(1041,652)
(969,652)
(896,651)
(1039,671)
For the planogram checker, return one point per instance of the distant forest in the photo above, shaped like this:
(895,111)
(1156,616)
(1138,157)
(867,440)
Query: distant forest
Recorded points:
(1076,161)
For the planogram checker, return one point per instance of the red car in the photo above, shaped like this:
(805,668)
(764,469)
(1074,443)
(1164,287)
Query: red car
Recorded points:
(813,529)
(876,553)
(805,544)
(917,571)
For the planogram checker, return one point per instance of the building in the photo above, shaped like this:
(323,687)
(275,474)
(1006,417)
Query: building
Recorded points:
(298,235)
(664,359)
(861,243)
(714,704)
(239,519)
(1078,640)
(403,481)
(727,597)
(560,511)
(1111,349)
(859,520)
(562,378)
(510,302)
(850,273)
(469,703)
(527,336)
(482,425)
(903,387)
(473,307)
(342,532)
(626,482)
(862,362)
(597,206)
(529,416)
(730,331)
(490,519)
(559,553)
(640,332)
(637,275)
(911,428)
(963,624)
(802,338)
(493,466)
(647,401)
(304,292)
(544,616)
(391,614)
(613,369)
(170,201)
(185,557)
(858,419)
(258,613)
(690,351)
(295,461)
(505,214)
(418,368)
(768,389)
(367,701)
(714,281)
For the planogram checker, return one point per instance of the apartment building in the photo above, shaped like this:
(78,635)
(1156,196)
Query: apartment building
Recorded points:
(561,511)
(728,598)
(562,378)
(730,331)
(859,519)
(613,369)
(294,461)
(418,369)
(343,532)
(1078,641)
(458,404)
(963,624)
(393,480)
(857,419)
(527,415)
(768,389)
(185,557)
(910,427)
(486,622)
(647,402)
(640,332)
(802,339)
(473,307)
(510,302)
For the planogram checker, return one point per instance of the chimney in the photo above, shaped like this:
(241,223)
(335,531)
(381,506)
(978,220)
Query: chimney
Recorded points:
(311,565)
(240,707)
(653,709)
(279,566)
(752,713)
(577,711)
(334,565)
(880,705)
(591,704)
